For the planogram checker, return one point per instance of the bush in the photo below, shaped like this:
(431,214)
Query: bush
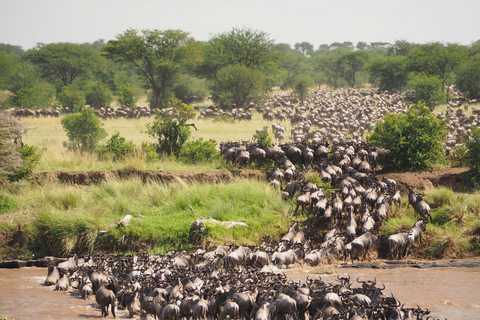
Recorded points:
(30,159)
(149,151)
(199,151)
(72,98)
(224,118)
(428,89)
(127,97)
(415,140)
(38,96)
(84,130)
(117,146)
(264,139)
(98,95)
(171,133)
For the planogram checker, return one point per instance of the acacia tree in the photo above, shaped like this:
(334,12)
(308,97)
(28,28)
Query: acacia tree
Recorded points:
(352,62)
(237,85)
(157,56)
(414,140)
(65,62)
(244,47)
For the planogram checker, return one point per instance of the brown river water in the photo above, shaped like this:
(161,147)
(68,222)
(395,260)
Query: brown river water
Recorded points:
(451,293)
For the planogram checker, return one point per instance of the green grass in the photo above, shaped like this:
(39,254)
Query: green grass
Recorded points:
(66,218)
(455,228)
(48,136)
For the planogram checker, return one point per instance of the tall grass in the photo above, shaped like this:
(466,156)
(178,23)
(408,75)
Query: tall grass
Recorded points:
(84,219)
(48,136)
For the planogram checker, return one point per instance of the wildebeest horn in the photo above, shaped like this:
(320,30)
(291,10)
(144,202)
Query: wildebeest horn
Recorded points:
(382,288)
(358,280)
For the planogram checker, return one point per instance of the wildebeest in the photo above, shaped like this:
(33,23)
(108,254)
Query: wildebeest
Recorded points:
(397,244)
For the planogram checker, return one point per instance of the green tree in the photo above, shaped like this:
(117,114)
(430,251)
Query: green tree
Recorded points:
(65,62)
(157,56)
(244,47)
(190,89)
(98,95)
(330,65)
(468,77)
(352,63)
(389,73)
(302,86)
(414,140)
(84,130)
(11,49)
(39,96)
(170,130)
(401,48)
(436,59)
(237,85)
(72,98)
(11,131)
(127,97)
(428,89)
(304,47)
(293,64)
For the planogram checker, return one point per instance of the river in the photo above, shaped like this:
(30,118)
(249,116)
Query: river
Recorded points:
(451,293)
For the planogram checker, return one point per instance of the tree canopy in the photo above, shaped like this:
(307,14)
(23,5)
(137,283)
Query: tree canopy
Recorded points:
(244,47)
(65,62)
(414,140)
(157,56)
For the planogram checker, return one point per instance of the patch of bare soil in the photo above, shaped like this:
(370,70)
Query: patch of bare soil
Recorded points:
(454,178)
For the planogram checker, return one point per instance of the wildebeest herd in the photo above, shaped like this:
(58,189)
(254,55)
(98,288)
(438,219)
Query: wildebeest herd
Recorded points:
(219,284)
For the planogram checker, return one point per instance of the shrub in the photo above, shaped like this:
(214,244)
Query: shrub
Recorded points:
(199,151)
(98,95)
(117,146)
(30,159)
(428,89)
(84,130)
(264,139)
(414,140)
(171,133)
(149,151)
(127,97)
(72,98)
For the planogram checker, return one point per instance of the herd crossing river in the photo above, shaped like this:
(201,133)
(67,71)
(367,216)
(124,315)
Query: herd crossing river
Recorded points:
(449,292)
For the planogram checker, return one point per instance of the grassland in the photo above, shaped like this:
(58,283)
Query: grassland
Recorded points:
(57,219)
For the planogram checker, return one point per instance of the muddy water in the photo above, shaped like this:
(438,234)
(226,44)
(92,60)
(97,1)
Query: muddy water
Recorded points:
(452,293)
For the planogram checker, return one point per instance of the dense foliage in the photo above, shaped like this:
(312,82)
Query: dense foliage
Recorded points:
(199,150)
(84,130)
(11,131)
(472,155)
(117,147)
(169,130)
(414,140)
(157,57)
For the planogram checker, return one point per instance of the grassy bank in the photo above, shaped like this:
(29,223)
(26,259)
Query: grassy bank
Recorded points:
(455,228)
(57,219)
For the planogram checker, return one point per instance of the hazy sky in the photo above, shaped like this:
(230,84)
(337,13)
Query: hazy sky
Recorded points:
(27,22)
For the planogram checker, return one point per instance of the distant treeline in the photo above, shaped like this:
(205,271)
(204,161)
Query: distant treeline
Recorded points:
(234,68)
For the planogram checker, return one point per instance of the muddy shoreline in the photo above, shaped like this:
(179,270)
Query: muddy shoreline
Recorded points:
(374,264)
